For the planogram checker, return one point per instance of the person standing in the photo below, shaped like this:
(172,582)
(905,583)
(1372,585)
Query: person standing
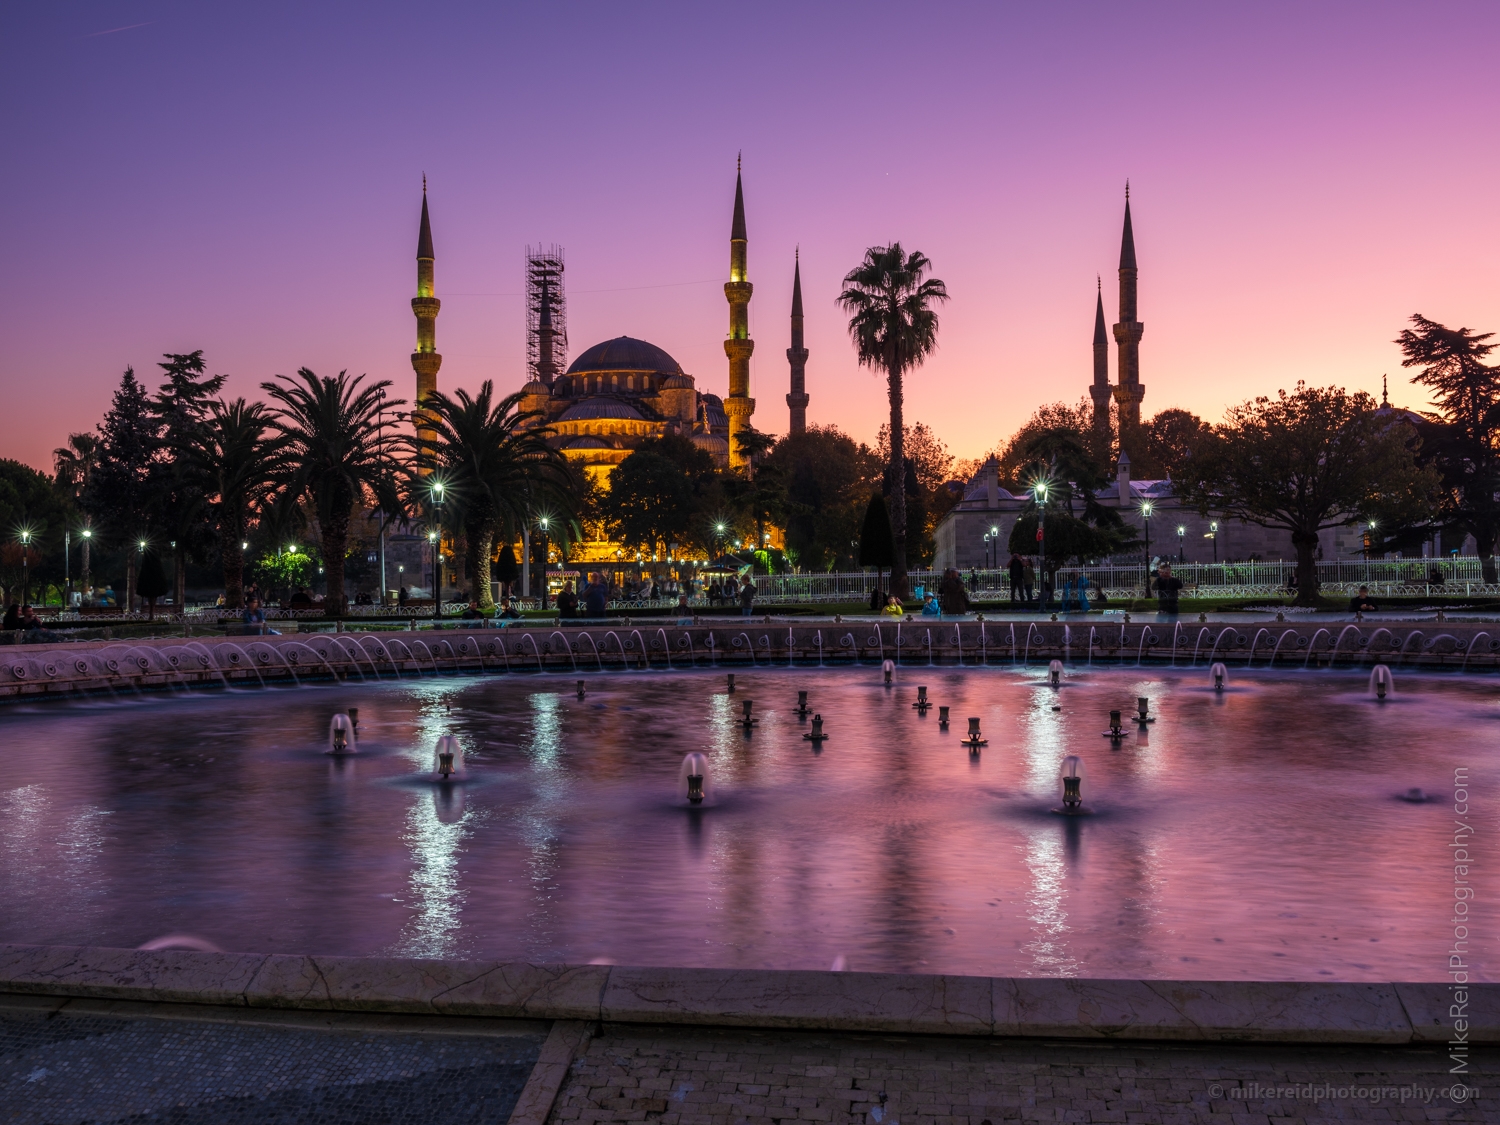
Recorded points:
(1167,588)
(1017,578)
(1028,579)
(747,596)
(567,600)
(595,596)
(953,599)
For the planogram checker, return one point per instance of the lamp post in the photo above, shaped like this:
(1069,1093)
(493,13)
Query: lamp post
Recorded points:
(1040,492)
(25,565)
(1146,523)
(1213,533)
(88,534)
(436,536)
(1369,539)
(1181,531)
(986,550)
(67,570)
(546,551)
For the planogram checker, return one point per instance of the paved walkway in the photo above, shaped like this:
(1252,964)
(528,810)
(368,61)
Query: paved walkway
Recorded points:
(114,1063)
(688,1077)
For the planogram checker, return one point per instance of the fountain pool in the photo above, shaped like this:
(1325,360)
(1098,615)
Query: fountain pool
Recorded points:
(1259,833)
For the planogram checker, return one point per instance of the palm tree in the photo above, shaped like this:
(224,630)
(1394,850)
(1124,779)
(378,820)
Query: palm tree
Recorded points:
(889,300)
(74,463)
(238,460)
(496,467)
(338,453)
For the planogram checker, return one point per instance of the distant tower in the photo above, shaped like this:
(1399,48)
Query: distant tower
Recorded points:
(739,405)
(797,356)
(425,361)
(546,313)
(1129,392)
(1100,391)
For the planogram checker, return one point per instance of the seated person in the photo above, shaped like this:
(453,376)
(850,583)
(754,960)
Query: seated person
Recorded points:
(1362,602)
(29,619)
(930,607)
(893,607)
(13,616)
(512,611)
(684,611)
(472,612)
(302,599)
(254,620)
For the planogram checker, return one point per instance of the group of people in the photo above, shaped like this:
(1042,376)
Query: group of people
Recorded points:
(19,616)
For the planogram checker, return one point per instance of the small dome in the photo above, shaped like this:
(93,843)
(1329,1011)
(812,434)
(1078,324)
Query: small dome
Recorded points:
(598,407)
(713,443)
(588,443)
(677,382)
(625,353)
(536,387)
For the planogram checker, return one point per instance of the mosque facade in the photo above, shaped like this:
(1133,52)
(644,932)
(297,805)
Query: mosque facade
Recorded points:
(623,392)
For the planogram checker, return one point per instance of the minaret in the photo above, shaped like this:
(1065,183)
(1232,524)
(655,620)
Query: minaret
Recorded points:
(1100,391)
(425,361)
(739,405)
(546,366)
(1129,392)
(797,356)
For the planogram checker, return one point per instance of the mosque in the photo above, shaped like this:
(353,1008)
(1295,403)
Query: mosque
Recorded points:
(621,392)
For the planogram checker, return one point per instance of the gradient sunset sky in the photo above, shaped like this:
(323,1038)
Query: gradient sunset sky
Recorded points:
(246,179)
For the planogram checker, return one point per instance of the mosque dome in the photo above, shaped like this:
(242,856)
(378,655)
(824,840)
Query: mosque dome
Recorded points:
(677,382)
(625,353)
(588,443)
(712,443)
(591,409)
(536,387)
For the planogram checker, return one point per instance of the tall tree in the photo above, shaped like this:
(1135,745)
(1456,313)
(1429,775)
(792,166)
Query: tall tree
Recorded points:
(239,459)
(118,496)
(74,464)
(877,545)
(892,319)
(496,467)
(1169,439)
(339,455)
(823,480)
(1313,459)
(1462,445)
(179,500)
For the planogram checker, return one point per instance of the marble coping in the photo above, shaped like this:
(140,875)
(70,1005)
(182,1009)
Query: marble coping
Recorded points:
(892,1003)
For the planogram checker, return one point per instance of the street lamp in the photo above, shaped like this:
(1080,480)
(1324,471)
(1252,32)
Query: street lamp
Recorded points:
(435,537)
(88,534)
(1181,531)
(1146,523)
(25,564)
(544,522)
(1040,492)
(986,550)
(1213,533)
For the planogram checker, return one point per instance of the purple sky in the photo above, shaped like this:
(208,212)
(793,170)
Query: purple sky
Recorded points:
(246,178)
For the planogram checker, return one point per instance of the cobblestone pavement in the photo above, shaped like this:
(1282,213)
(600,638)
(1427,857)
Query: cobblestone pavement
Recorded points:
(67,1068)
(686,1077)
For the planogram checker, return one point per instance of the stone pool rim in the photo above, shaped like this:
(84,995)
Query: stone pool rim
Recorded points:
(884,1003)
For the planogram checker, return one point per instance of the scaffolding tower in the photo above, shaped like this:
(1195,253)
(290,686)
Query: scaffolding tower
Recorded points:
(544,273)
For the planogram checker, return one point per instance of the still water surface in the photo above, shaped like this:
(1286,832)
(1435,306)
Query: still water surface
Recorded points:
(1254,834)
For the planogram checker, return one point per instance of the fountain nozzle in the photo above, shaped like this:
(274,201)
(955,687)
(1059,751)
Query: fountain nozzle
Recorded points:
(1116,728)
(943,717)
(975,739)
(341,734)
(922,703)
(731,681)
(449,757)
(1054,673)
(580,689)
(889,669)
(1220,673)
(1071,777)
(802,707)
(354,718)
(747,722)
(816,734)
(1142,708)
(695,777)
